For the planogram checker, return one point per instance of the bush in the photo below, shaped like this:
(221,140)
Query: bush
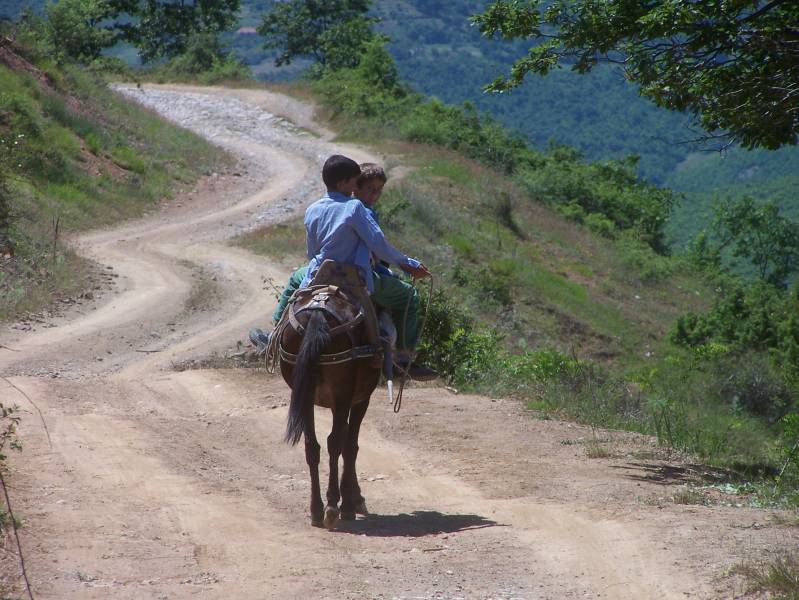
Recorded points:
(760,317)
(600,224)
(205,59)
(750,382)
(638,257)
(497,280)
(448,337)
(609,190)
(71,33)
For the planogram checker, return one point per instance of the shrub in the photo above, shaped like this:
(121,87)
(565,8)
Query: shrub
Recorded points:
(600,224)
(760,317)
(610,190)
(497,280)
(749,381)
(638,257)
(205,59)
(572,211)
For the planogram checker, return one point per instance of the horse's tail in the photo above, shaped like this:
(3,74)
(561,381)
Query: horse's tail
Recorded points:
(303,379)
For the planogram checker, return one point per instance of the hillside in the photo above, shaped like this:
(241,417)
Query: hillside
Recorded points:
(74,156)
(440,54)
(703,177)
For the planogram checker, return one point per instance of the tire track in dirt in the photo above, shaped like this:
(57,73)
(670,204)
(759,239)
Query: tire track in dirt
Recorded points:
(165,484)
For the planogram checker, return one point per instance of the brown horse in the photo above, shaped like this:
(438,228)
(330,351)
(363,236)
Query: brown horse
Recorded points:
(329,359)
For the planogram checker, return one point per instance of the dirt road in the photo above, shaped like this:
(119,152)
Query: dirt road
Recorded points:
(149,482)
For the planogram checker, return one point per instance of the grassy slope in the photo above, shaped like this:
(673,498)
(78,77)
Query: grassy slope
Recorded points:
(84,156)
(540,280)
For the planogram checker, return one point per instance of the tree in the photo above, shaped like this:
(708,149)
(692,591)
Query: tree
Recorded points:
(732,64)
(759,234)
(75,29)
(164,28)
(332,32)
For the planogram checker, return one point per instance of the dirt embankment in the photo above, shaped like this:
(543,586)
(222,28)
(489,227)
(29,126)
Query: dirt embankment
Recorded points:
(153,483)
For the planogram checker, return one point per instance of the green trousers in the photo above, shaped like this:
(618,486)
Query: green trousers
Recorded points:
(292,286)
(390,293)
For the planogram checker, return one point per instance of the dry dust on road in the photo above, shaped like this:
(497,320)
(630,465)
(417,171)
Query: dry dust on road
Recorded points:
(151,482)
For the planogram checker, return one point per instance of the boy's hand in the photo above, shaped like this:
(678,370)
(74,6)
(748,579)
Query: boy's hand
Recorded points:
(419,272)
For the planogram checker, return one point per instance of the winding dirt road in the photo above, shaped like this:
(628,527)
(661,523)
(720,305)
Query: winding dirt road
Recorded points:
(150,482)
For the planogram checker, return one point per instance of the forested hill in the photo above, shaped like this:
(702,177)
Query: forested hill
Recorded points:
(440,53)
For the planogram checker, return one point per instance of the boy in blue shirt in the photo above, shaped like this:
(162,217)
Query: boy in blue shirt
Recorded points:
(345,229)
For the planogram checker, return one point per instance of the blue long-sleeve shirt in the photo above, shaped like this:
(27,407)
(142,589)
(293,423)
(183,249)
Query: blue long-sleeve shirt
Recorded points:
(377,266)
(341,228)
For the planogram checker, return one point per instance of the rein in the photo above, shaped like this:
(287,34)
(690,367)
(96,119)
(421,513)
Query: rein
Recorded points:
(405,376)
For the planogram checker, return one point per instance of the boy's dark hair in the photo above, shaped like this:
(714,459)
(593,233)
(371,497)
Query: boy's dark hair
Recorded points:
(370,171)
(338,168)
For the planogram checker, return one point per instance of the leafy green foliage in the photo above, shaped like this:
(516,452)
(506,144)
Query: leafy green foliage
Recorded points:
(205,59)
(759,234)
(462,129)
(75,30)
(730,64)
(760,317)
(468,355)
(610,191)
(332,32)
(5,199)
(164,28)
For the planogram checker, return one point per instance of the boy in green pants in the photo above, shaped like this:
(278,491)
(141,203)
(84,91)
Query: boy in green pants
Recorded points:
(388,291)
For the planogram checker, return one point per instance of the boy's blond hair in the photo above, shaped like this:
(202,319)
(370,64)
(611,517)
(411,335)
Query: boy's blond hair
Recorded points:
(370,171)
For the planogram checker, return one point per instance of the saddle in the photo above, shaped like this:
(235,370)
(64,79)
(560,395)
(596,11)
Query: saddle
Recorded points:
(332,280)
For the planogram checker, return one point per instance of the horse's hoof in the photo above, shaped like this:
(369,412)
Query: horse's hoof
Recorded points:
(361,509)
(317,523)
(331,517)
(348,515)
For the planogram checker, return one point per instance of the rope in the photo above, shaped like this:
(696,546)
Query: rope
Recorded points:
(272,354)
(405,376)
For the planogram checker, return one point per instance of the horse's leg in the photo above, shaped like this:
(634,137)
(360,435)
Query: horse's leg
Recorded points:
(312,452)
(352,500)
(334,443)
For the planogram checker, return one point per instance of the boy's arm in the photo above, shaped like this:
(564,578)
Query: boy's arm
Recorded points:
(369,231)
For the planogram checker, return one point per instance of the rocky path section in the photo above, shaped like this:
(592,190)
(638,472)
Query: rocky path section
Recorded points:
(175,485)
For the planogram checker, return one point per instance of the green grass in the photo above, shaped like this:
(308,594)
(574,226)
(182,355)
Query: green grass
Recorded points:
(282,241)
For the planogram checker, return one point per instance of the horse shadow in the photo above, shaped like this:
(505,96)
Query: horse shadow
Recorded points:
(418,523)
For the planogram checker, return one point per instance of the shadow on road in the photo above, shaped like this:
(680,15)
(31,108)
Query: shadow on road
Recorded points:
(665,474)
(416,524)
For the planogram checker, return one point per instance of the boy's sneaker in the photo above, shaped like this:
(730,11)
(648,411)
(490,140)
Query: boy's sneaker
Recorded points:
(260,340)
(419,372)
